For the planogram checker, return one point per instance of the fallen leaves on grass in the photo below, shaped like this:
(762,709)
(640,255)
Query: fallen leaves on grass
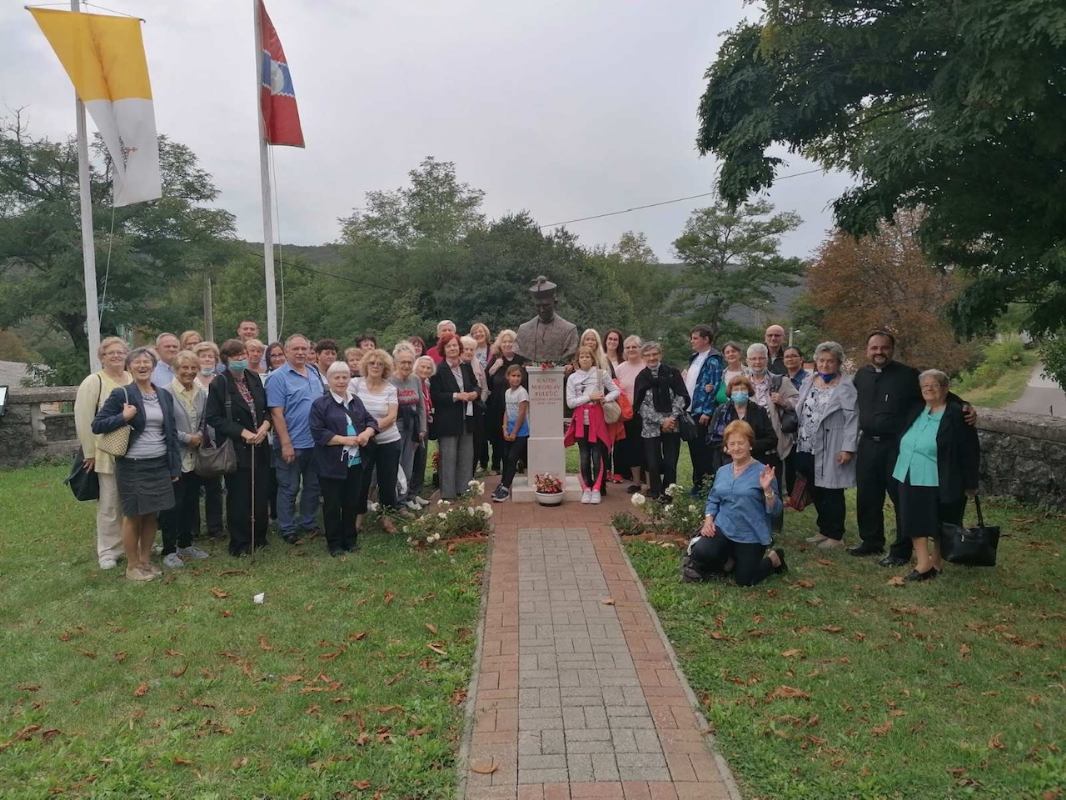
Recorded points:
(245,712)
(996,742)
(393,679)
(172,653)
(357,637)
(431,628)
(21,736)
(437,647)
(120,656)
(333,655)
(804,584)
(832,628)
(240,763)
(389,596)
(362,786)
(178,761)
(883,728)
(219,593)
(179,671)
(788,693)
(896,580)
(458,697)
(965,650)
(414,732)
(264,643)
(141,690)
(792,652)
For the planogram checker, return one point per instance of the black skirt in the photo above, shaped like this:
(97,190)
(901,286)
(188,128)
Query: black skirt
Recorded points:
(144,485)
(919,511)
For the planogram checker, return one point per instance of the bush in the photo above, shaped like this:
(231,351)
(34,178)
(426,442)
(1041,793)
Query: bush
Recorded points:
(1000,357)
(1053,354)
(465,516)
(680,517)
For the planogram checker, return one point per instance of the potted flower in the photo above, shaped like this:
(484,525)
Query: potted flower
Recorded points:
(548,489)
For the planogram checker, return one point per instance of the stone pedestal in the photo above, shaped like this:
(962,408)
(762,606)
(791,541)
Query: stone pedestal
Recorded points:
(546,430)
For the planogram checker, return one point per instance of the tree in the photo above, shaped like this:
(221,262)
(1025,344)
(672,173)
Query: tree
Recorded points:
(956,108)
(141,250)
(731,260)
(645,285)
(885,281)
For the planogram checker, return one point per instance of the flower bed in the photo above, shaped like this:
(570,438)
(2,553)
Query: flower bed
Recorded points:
(463,518)
(681,517)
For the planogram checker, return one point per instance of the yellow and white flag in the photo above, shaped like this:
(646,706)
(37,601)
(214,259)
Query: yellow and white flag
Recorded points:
(104,57)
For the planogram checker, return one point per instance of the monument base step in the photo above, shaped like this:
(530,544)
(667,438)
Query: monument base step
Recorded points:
(522,491)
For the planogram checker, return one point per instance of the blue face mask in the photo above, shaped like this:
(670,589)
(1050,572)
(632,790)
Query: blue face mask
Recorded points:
(740,397)
(238,366)
(827,377)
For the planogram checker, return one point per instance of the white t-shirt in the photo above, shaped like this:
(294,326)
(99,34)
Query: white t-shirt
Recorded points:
(693,375)
(514,399)
(377,405)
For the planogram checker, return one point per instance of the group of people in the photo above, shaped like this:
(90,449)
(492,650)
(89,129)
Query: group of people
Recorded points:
(314,427)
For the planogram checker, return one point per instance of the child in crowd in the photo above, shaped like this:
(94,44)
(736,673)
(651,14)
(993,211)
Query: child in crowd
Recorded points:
(515,430)
(587,389)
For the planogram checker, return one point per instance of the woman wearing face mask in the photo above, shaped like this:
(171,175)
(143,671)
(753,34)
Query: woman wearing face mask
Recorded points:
(660,398)
(145,475)
(741,406)
(237,409)
(207,363)
(826,441)
(734,365)
(736,525)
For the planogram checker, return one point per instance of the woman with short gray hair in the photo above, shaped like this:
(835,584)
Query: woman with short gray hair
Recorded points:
(660,398)
(826,441)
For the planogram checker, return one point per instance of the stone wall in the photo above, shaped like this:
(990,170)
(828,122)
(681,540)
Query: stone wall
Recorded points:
(1023,456)
(36,428)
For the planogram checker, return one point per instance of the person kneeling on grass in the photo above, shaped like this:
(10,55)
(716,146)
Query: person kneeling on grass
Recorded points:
(514,432)
(736,525)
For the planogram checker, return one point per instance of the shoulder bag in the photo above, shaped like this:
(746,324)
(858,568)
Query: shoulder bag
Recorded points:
(787,417)
(612,409)
(975,547)
(212,458)
(116,442)
(83,482)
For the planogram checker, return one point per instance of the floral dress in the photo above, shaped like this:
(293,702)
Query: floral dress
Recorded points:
(811,416)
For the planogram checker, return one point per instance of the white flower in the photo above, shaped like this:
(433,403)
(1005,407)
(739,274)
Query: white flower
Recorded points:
(476,487)
(672,489)
(486,509)
(691,507)
(435,537)
(409,540)
(406,528)
(638,499)
(443,515)
(375,507)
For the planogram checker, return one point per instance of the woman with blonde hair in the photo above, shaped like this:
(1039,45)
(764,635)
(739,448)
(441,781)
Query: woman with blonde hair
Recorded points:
(483,351)
(207,355)
(92,393)
(380,398)
(501,358)
(256,356)
(591,339)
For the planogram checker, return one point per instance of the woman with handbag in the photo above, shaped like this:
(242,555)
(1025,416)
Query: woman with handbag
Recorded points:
(587,389)
(237,410)
(740,405)
(454,391)
(179,522)
(936,469)
(92,393)
(137,423)
(342,429)
(660,398)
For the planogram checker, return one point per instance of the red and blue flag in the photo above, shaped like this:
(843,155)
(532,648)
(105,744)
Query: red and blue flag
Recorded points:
(277,101)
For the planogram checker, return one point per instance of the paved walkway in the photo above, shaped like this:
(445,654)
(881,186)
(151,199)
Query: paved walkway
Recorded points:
(576,694)
(1041,396)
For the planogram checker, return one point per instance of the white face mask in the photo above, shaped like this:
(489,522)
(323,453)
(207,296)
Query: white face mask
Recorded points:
(205,371)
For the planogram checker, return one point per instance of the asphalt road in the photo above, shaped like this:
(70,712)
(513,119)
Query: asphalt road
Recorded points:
(1041,396)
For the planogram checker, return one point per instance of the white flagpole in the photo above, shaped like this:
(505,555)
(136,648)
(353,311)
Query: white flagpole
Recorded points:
(264,179)
(88,246)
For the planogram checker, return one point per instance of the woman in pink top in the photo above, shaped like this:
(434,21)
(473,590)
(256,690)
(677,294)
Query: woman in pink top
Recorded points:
(628,452)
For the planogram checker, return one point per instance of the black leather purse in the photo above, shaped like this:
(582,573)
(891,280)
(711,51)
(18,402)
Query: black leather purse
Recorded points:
(83,482)
(975,547)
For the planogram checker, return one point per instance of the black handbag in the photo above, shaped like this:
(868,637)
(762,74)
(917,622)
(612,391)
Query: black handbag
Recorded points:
(83,482)
(214,459)
(975,547)
(687,427)
(787,418)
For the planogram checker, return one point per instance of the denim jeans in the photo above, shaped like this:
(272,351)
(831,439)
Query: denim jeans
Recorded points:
(290,478)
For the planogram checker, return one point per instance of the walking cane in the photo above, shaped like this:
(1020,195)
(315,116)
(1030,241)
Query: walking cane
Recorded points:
(252,448)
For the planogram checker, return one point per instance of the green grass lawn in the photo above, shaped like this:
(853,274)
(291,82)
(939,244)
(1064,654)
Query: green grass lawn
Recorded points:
(185,688)
(829,682)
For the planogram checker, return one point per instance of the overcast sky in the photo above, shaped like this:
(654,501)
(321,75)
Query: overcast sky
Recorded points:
(567,109)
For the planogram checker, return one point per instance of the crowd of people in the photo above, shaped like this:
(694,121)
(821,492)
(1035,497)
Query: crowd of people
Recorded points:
(312,426)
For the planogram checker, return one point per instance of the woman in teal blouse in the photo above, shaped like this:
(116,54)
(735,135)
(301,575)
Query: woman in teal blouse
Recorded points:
(737,522)
(937,466)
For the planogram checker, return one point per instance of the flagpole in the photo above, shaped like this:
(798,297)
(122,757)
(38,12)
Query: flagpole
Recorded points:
(88,246)
(264,181)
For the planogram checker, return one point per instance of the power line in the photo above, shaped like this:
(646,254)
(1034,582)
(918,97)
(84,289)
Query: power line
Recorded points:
(663,202)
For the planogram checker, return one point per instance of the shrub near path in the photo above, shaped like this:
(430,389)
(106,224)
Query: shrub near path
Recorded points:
(832,682)
(347,682)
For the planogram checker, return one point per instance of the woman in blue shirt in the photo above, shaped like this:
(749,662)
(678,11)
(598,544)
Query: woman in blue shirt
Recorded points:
(936,469)
(738,514)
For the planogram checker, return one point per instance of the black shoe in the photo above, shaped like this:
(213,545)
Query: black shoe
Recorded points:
(632,489)
(336,551)
(915,576)
(865,549)
(893,561)
(781,555)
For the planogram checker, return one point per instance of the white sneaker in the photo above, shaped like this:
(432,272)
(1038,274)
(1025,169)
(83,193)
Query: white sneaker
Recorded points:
(586,496)
(421,501)
(192,553)
(157,548)
(594,497)
(108,563)
(173,561)
(414,506)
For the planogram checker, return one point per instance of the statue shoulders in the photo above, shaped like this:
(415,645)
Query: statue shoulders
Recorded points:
(563,323)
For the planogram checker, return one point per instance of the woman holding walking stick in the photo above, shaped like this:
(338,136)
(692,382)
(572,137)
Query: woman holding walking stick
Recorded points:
(237,410)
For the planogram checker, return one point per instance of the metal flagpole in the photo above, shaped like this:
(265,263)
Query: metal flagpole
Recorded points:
(264,182)
(88,246)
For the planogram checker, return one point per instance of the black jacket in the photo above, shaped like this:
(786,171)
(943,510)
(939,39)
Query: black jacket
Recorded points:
(642,384)
(328,419)
(224,386)
(448,414)
(109,418)
(958,452)
(759,420)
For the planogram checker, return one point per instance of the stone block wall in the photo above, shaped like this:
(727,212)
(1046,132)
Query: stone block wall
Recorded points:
(33,430)
(1023,456)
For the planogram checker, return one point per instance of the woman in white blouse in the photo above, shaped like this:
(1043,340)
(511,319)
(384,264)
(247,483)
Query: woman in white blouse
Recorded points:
(381,400)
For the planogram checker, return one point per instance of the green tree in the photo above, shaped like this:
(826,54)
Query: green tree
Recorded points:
(956,108)
(141,250)
(645,285)
(732,260)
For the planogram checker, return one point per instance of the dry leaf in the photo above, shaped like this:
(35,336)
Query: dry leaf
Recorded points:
(825,562)
(264,643)
(88,653)
(141,690)
(362,739)
(608,601)
(805,584)
(437,648)
(481,768)
(832,628)
(788,692)
(362,786)
(391,680)
(896,580)
(120,656)
(245,712)
(964,650)
(389,709)
(227,613)
(313,711)
(357,637)
(458,697)
(431,628)
(813,720)
(172,653)
(238,763)
(881,730)
(419,731)
(181,762)
(219,593)
(996,742)
(177,673)
(330,656)
(792,652)
(388,598)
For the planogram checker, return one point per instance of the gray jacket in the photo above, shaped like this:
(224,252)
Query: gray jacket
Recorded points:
(837,433)
(184,427)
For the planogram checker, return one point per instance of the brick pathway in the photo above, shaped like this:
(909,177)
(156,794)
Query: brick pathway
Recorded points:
(576,697)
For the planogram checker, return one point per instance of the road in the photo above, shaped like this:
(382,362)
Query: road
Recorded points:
(1041,396)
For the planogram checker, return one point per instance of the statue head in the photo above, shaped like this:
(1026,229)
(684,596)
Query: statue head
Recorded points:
(543,291)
